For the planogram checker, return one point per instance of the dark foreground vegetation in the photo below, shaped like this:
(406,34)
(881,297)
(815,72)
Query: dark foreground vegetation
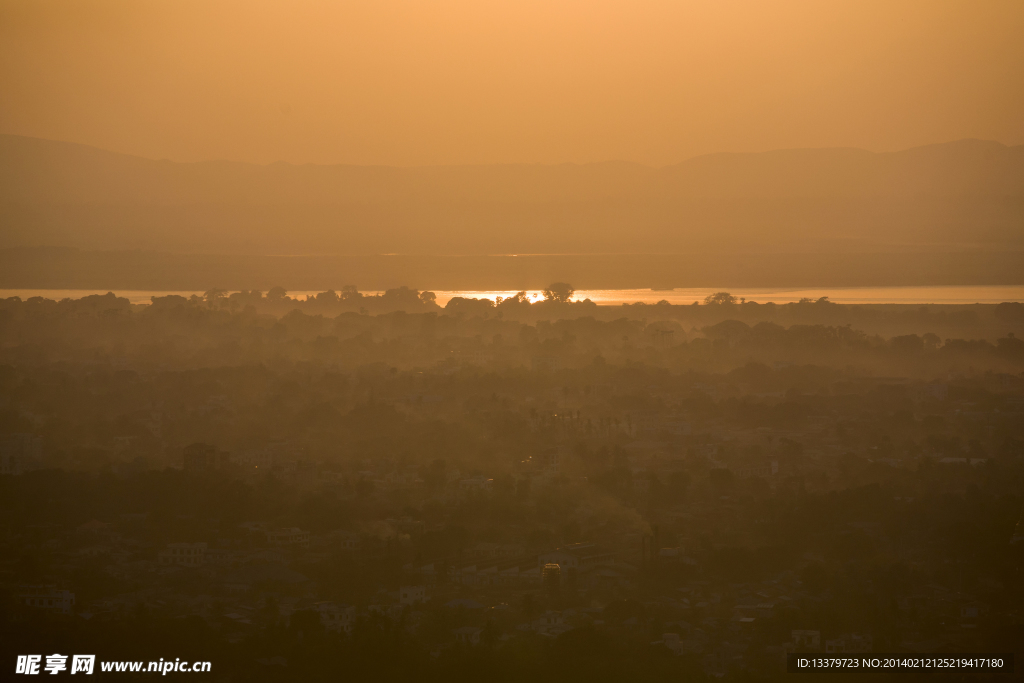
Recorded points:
(379,488)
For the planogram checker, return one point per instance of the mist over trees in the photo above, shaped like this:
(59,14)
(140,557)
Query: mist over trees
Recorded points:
(731,476)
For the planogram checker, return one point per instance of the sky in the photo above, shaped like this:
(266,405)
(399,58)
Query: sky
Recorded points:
(417,82)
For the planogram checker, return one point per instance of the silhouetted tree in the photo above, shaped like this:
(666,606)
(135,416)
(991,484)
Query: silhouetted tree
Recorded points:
(719,298)
(560,292)
(213,296)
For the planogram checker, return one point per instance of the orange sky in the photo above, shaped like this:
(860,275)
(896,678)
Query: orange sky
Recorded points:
(412,82)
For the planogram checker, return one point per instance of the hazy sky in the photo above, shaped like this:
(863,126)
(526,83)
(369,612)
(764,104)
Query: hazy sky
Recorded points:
(479,81)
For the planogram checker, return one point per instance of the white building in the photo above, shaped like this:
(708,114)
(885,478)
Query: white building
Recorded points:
(46,597)
(183,554)
(478,483)
(806,640)
(346,540)
(575,556)
(257,460)
(218,556)
(467,635)
(850,642)
(673,643)
(287,537)
(412,595)
(551,623)
(336,617)
(19,452)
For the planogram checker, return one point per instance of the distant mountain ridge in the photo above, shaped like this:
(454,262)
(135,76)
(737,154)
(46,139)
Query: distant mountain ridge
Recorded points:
(964,192)
(34,169)
(963,167)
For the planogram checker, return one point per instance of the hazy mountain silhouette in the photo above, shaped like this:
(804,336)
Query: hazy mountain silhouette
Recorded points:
(949,213)
(56,193)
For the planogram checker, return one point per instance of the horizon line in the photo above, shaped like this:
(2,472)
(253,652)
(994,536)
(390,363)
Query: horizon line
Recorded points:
(513,163)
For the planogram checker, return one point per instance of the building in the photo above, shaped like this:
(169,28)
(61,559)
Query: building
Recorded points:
(806,640)
(218,556)
(46,597)
(576,556)
(545,363)
(499,571)
(672,642)
(336,617)
(551,462)
(499,550)
(390,611)
(94,527)
(767,468)
(938,392)
(202,457)
(474,356)
(183,554)
(346,540)
(551,623)
(653,425)
(288,537)
(262,459)
(18,452)
(551,576)
(850,642)
(467,635)
(412,595)
(478,483)
(463,603)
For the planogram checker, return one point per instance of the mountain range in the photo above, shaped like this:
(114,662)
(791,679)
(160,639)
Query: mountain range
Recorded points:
(965,196)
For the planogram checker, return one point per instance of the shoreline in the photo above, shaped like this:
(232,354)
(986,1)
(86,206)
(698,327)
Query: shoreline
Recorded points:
(910,295)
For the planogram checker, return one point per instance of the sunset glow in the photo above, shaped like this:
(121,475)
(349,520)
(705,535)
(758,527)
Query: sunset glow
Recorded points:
(524,341)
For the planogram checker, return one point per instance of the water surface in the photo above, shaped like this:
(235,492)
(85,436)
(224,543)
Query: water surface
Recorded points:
(852,295)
